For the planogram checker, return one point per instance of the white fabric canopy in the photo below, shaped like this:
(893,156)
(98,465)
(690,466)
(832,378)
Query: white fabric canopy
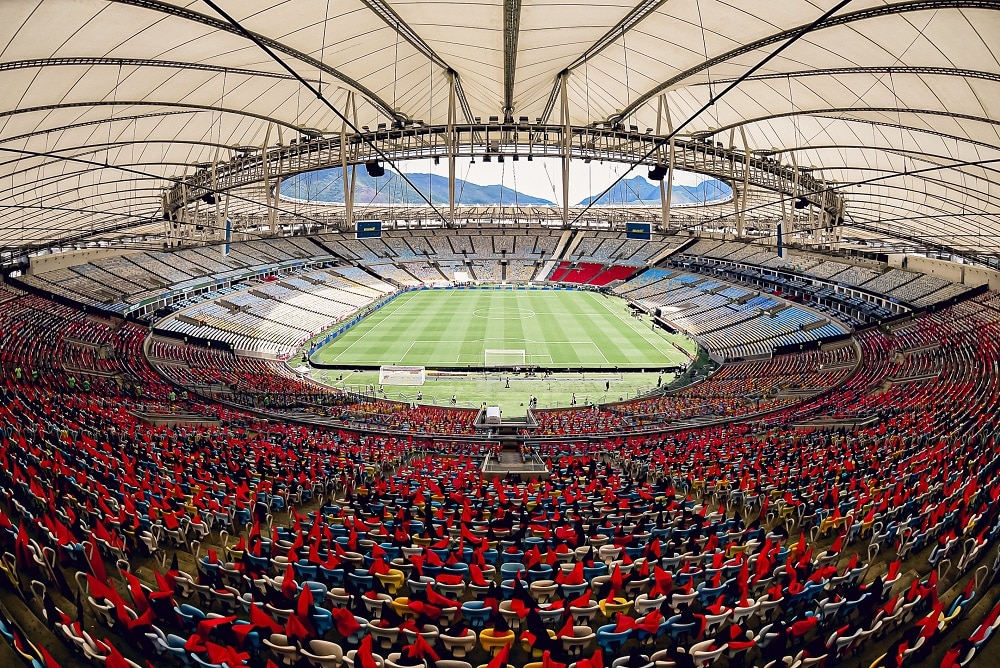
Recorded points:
(102,102)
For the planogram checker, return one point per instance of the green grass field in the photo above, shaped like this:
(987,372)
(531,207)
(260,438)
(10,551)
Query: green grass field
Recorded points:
(559,329)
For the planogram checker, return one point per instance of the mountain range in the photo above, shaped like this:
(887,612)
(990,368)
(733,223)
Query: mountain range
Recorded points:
(326,186)
(640,190)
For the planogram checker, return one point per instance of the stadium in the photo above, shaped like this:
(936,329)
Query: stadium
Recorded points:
(382,334)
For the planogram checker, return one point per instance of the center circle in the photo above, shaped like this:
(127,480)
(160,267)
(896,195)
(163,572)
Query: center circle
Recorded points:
(506,313)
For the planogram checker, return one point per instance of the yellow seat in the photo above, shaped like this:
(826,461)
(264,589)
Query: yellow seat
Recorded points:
(621,605)
(733,550)
(493,643)
(831,523)
(392,581)
(532,650)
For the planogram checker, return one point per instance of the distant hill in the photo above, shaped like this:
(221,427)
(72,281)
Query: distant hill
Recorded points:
(640,190)
(327,186)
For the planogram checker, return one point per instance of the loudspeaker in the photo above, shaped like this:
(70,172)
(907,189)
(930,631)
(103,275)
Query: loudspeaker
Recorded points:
(208,198)
(657,173)
(374,169)
(801,203)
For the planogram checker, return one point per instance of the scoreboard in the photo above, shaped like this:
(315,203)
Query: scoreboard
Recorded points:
(369,229)
(637,231)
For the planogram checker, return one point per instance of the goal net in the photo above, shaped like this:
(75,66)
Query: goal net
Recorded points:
(500,357)
(401,375)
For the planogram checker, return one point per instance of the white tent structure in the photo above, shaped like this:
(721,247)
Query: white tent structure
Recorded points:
(893,108)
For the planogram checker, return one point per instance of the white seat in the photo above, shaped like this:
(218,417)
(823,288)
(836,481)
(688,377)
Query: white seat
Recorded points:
(323,654)
(278,644)
(702,656)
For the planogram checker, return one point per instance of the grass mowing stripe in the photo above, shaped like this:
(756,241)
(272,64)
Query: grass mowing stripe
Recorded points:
(454,327)
(641,331)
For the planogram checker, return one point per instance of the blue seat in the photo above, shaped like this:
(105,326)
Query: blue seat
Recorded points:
(635,552)
(511,557)
(609,641)
(175,646)
(322,620)
(575,590)
(333,577)
(305,571)
(476,614)
(391,551)
(509,571)
(258,563)
(461,570)
(708,595)
(675,629)
(202,663)
(361,580)
(189,615)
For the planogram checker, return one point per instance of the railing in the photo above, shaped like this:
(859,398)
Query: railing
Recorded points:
(511,140)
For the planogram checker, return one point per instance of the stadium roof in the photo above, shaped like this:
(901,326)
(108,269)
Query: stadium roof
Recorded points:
(105,101)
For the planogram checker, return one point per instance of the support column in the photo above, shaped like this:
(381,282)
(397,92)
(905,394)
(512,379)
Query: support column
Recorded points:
(182,213)
(273,217)
(354,163)
(666,185)
(566,147)
(266,167)
(451,143)
(348,189)
(218,232)
(795,194)
(741,219)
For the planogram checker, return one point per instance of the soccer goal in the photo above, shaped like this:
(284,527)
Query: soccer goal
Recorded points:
(500,357)
(401,375)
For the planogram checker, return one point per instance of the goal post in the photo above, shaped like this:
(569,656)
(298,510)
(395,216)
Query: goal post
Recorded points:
(503,357)
(401,375)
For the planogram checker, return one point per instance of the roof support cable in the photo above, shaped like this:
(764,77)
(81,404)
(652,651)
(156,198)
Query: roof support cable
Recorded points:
(322,46)
(662,141)
(319,95)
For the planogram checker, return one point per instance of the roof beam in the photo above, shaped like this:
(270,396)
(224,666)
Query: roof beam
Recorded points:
(138,62)
(145,103)
(388,15)
(630,20)
(858,110)
(833,21)
(511,29)
(879,69)
(212,22)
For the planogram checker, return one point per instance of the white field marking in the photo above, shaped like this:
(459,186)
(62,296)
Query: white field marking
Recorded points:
(670,352)
(374,327)
(400,361)
(378,324)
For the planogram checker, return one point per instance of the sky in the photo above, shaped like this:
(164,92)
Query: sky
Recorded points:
(542,176)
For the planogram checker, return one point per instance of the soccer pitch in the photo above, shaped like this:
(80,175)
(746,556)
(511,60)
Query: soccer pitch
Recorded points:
(557,329)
